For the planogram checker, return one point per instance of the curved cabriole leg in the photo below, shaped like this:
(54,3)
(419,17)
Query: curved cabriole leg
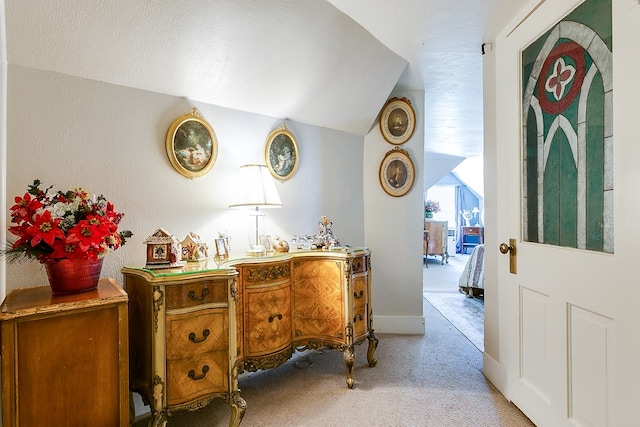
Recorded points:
(238,408)
(349,361)
(159,419)
(373,345)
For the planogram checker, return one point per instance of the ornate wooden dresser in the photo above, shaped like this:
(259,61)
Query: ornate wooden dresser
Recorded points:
(276,305)
(435,239)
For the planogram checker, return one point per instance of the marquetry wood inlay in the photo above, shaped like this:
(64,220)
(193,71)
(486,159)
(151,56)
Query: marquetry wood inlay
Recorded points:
(268,273)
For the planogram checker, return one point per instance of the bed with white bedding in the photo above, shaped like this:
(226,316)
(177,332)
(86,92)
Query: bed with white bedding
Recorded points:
(472,278)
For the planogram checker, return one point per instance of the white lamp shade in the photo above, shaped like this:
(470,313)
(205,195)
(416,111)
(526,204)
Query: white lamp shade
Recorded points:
(255,188)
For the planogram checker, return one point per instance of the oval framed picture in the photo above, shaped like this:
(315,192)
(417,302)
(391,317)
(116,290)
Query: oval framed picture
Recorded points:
(281,153)
(397,121)
(397,172)
(192,146)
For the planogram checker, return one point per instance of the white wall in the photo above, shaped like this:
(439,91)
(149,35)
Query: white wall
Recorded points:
(394,229)
(110,139)
(3,140)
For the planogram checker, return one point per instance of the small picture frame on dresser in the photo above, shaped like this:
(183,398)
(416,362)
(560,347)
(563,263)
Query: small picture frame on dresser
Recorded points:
(221,249)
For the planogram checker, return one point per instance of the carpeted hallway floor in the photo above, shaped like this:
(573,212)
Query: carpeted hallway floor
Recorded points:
(430,380)
(440,287)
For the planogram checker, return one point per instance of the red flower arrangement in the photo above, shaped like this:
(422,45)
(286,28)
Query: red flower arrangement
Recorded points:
(70,225)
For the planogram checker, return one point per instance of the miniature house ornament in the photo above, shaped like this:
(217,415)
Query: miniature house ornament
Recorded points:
(163,250)
(194,248)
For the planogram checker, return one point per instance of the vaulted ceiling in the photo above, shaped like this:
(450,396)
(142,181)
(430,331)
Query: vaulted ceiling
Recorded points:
(327,63)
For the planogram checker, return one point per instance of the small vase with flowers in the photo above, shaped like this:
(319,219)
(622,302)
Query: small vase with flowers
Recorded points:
(431,207)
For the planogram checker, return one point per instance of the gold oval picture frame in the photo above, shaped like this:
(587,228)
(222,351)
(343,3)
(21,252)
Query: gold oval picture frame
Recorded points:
(192,146)
(281,153)
(397,172)
(397,121)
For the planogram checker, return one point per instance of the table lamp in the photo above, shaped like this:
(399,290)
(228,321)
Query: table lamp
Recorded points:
(475,211)
(256,189)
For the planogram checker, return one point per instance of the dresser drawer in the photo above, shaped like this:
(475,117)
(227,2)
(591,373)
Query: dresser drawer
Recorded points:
(472,231)
(196,333)
(194,377)
(359,306)
(263,274)
(196,293)
(359,264)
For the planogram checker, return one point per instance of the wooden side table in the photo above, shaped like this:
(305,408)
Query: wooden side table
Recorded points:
(64,358)
(472,237)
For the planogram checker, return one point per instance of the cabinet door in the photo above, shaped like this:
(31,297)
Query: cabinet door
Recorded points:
(267,319)
(318,300)
(67,368)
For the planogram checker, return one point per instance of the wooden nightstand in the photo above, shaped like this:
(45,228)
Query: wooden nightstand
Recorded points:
(472,237)
(64,358)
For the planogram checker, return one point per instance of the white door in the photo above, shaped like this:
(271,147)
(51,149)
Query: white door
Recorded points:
(569,322)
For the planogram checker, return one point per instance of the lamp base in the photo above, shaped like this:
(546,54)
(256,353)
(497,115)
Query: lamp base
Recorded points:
(256,252)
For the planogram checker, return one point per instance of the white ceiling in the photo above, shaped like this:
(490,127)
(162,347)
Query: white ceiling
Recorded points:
(327,63)
(442,40)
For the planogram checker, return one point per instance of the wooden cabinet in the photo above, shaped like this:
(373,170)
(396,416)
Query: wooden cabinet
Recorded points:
(472,237)
(64,358)
(183,339)
(300,300)
(267,309)
(435,239)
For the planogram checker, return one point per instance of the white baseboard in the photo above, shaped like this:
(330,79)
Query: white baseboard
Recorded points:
(407,325)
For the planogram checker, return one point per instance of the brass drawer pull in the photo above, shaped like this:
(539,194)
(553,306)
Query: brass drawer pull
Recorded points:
(357,317)
(192,295)
(205,334)
(358,296)
(271,318)
(193,376)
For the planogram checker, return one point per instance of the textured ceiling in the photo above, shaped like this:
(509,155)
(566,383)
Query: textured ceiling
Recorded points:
(327,63)
(442,40)
(300,59)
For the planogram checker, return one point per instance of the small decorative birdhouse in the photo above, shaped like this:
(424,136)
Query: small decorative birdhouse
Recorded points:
(163,250)
(194,248)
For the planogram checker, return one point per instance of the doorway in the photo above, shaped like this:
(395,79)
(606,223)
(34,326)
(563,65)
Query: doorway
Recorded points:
(440,287)
(462,306)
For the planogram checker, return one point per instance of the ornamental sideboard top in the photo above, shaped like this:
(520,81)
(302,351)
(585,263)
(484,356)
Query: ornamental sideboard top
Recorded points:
(277,305)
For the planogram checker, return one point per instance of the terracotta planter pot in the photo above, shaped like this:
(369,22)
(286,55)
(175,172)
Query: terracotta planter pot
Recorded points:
(73,276)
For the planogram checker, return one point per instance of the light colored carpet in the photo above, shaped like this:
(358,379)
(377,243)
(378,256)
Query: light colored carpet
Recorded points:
(465,314)
(440,286)
(431,380)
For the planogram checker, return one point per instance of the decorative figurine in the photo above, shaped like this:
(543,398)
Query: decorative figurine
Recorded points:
(163,250)
(325,237)
(280,245)
(194,248)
